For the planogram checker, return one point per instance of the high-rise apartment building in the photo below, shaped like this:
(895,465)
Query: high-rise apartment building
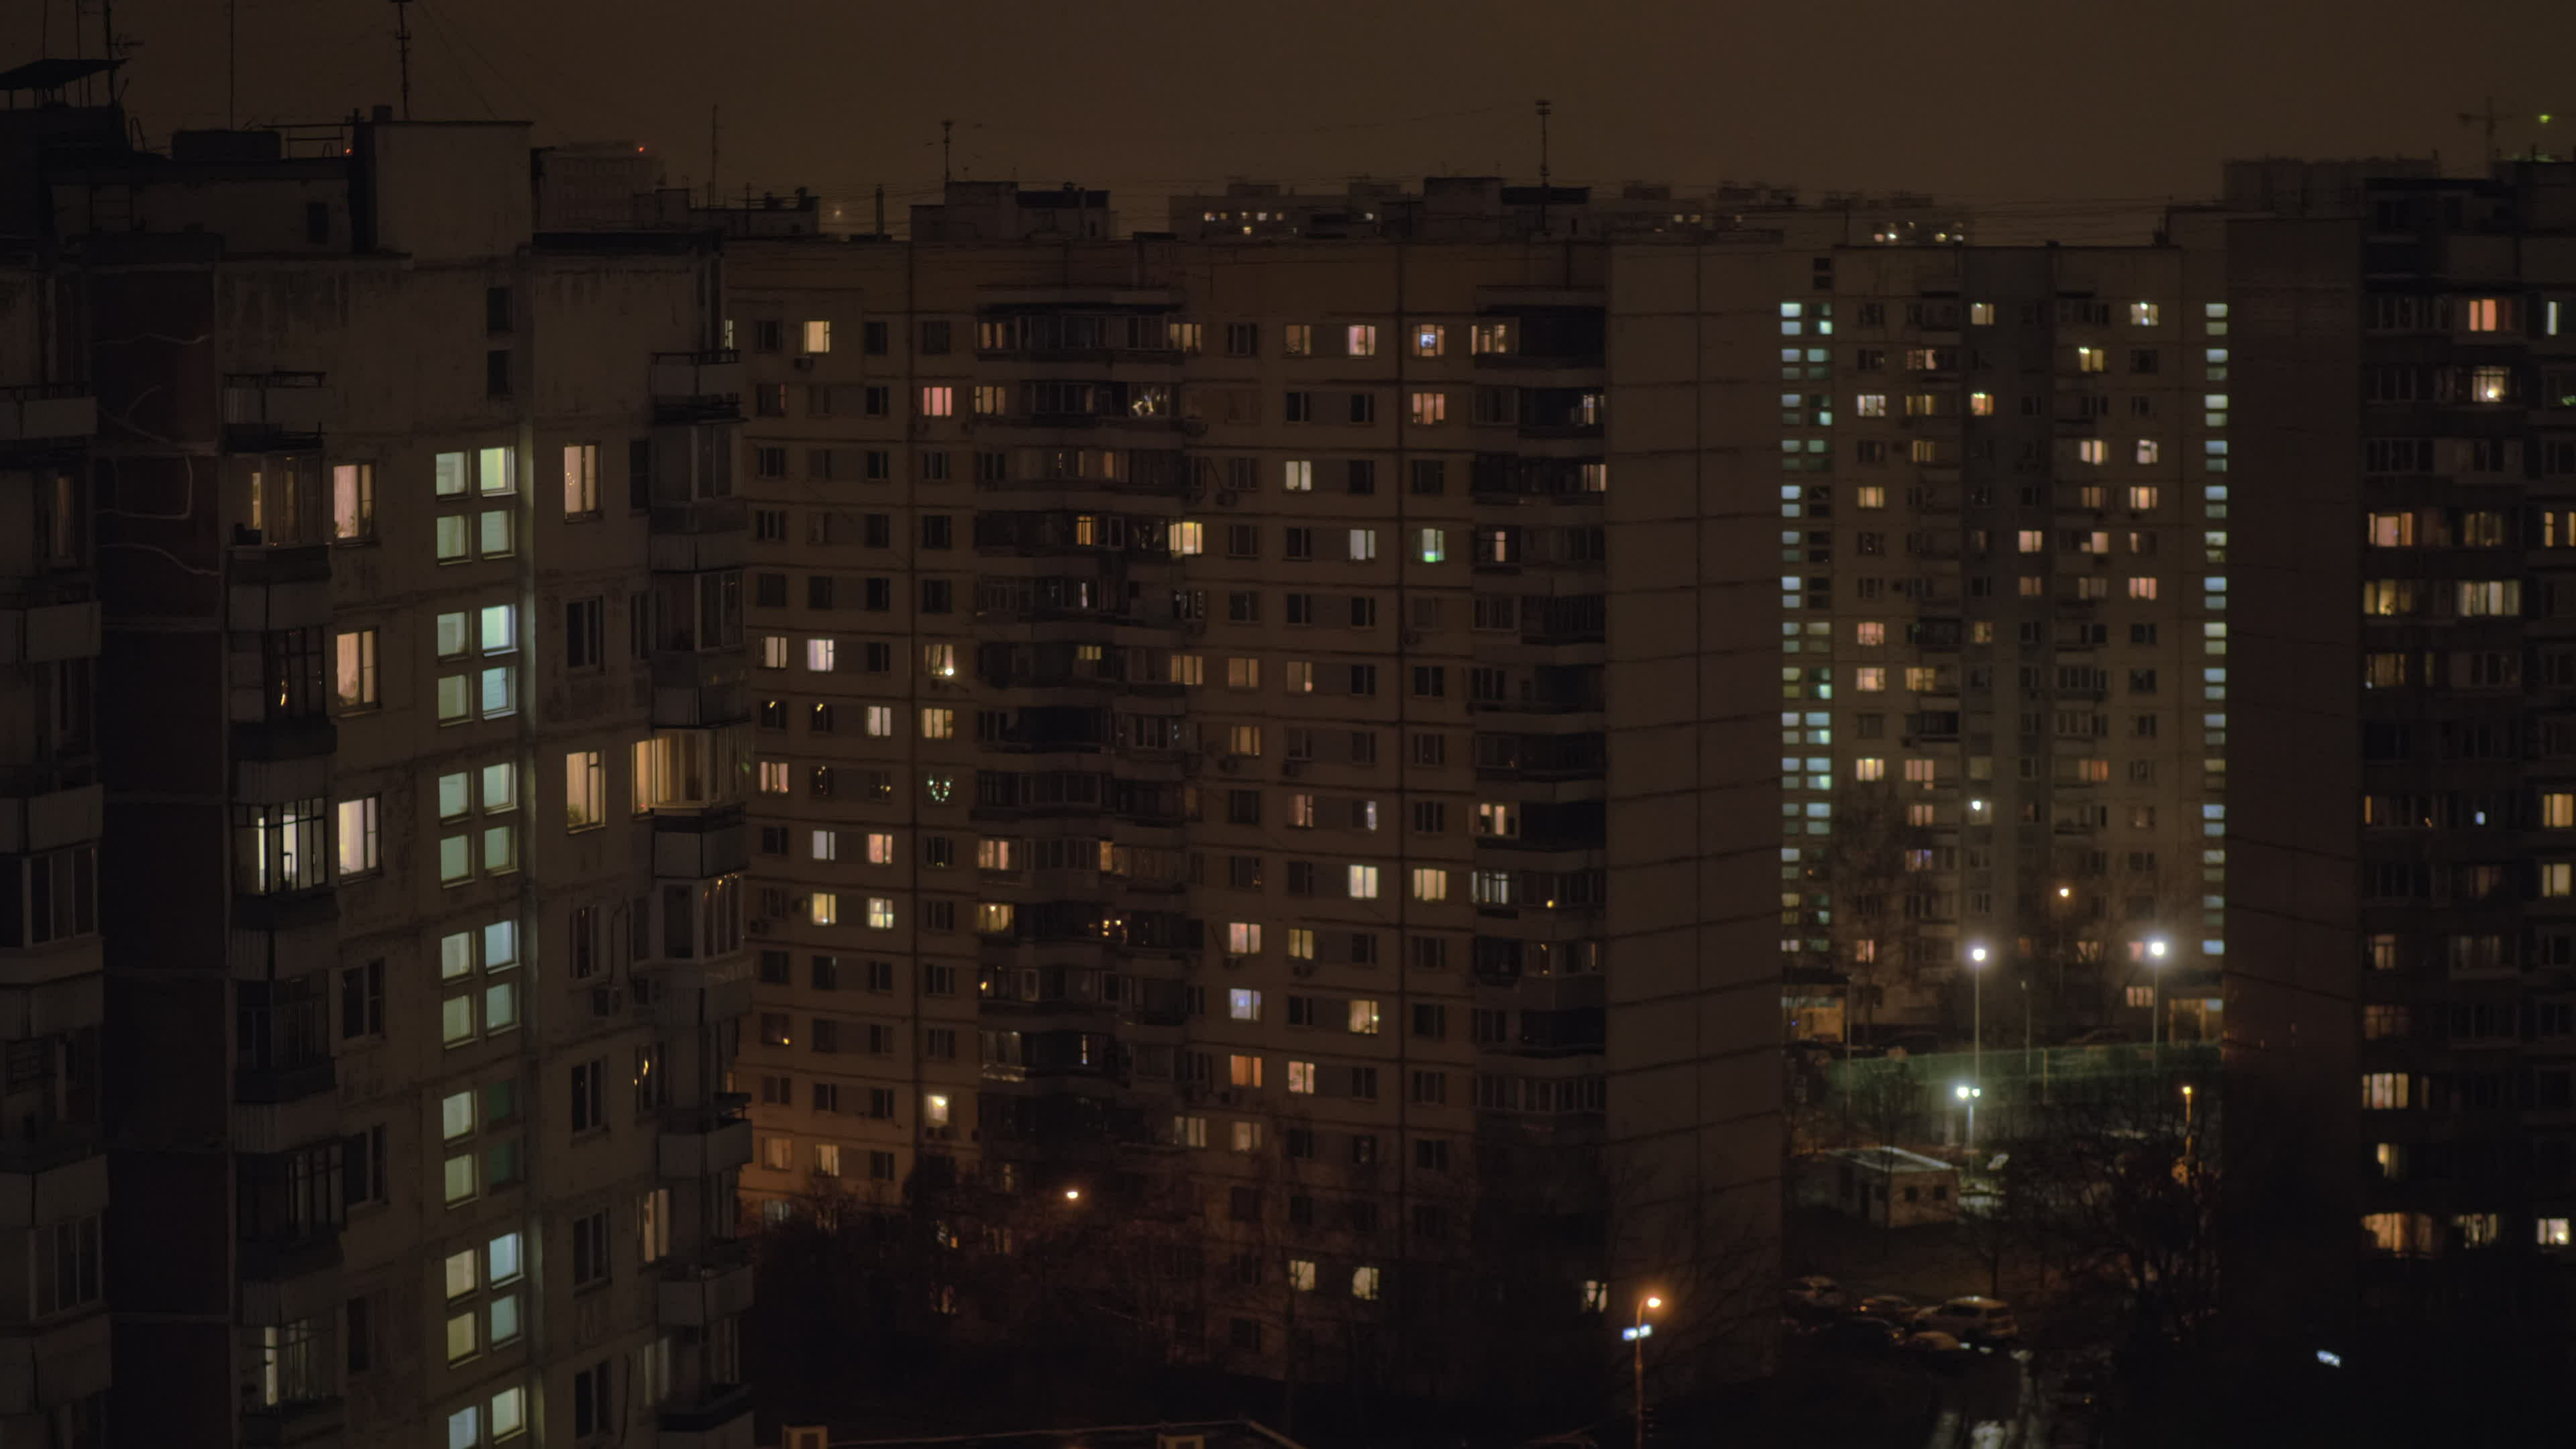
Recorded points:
(2401,931)
(54,1367)
(2003,558)
(417,881)
(1280,733)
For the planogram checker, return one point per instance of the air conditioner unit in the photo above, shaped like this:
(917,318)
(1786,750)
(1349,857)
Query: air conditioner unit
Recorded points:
(805,1436)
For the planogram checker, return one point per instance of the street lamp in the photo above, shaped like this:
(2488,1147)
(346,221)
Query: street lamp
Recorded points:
(1977,1049)
(1969,1095)
(1636,1335)
(2155,1000)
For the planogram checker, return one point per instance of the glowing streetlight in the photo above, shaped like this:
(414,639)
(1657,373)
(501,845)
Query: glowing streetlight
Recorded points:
(1969,1095)
(1636,1335)
(2155,999)
(1073,1194)
(1977,977)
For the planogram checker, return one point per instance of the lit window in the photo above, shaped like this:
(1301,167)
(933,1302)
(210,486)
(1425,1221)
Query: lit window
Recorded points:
(938,401)
(934,1110)
(1297,475)
(2557,811)
(353,501)
(358,836)
(1363,1017)
(1430,339)
(1243,938)
(2384,1091)
(1247,1137)
(2142,588)
(2557,878)
(2092,359)
(1871,495)
(1869,678)
(2144,314)
(1430,408)
(2550,1232)
(2490,384)
(1430,883)
(2092,450)
(2032,540)
(580,479)
(826,908)
(938,723)
(1189,538)
(818,337)
(1435,545)
(1981,404)
(1869,631)
(1364,1283)
(1243,1069)
(1363,882)
(2482,314)
(1869,769)
(2149,450)
(1360,338)
(1243,1004)
(819,655)
(880,913)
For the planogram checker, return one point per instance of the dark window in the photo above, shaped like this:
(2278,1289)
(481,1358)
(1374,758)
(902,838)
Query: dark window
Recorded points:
(585,633)
(937,530)
(497,310)
(496,373)
(590,1250)
(934,339)
(639,474)
(872,338)
(362,1001)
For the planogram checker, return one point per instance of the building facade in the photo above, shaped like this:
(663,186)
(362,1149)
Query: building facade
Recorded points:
(419,901)
(54,1366)
(2003,535)
(1262,729)
(2403,1002)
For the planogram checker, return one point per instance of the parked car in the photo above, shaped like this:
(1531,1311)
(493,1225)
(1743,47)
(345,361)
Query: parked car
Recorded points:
(1859,1336)
(1973,1320)
(1936,1349)
(1812,1295)
(1889,1308)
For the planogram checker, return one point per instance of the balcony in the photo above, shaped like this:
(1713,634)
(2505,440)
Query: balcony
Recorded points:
(694,689)
(697,536)
(696,387)
(715,1417)
(310,1421)
(277,1084)
(50,988)
(60,1174)
(284,738)
(284,935)
(45,620)
(699,1142)
(715,1287)
(273,412)
(33,417)
(53,1364)
(698,846)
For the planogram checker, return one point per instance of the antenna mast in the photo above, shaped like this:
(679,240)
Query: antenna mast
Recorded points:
(402,51)
(1544,111)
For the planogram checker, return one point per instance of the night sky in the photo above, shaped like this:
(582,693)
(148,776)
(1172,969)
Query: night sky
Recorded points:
(2020,101)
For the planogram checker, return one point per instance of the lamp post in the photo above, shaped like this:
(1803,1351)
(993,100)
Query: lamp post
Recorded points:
(1977,1048)
(1969,1095)
(2155,1001)
(1637,1334)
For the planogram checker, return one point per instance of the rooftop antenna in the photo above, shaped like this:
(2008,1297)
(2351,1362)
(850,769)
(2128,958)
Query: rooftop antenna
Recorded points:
(2486,120)
(1544,111)
(402,51)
